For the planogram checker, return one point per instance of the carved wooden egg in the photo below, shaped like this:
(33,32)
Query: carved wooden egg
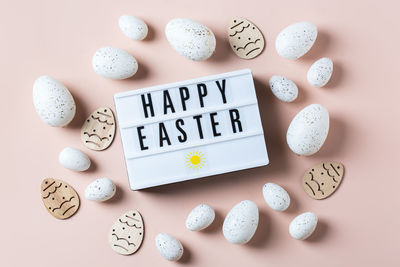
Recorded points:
(59,198)
(126,234)
(98,131)
(245,38)
(323,179)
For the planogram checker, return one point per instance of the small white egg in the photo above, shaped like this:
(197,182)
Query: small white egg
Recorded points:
(200,217)
(53,102)
(283,88)
(296,40)
(74,159)
(169,247)
(100,190)
(303,225)
(114,63)
(241,222)
(320,72)
(133,27)
(190,38)
(308,130)
(276,197)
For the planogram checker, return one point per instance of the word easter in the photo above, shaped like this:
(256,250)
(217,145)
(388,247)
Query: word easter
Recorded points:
(190,129)
(184,96)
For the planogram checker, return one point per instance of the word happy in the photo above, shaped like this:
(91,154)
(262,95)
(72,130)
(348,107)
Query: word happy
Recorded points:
(178,130)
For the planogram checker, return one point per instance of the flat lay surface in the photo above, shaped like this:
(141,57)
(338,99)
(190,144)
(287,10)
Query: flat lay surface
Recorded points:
(358,224)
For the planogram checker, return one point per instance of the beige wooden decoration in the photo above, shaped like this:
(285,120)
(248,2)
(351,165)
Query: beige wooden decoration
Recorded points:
(126,234)
(323,179)
(245,38)
(59,198)
(98,131)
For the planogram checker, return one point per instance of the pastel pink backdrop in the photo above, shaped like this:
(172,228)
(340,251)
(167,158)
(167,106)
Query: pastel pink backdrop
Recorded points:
(359,224)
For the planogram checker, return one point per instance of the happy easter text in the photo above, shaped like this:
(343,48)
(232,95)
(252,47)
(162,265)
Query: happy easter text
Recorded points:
(199,92)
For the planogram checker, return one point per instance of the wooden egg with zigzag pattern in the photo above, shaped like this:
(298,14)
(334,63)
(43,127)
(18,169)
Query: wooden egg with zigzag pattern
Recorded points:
(126,234)
(59,198)
(98,131)
(323,179)
(245,38)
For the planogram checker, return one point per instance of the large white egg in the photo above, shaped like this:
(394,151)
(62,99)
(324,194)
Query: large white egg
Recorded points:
(303,225)
(100,190)
(53,102)
(133,27)
(276,197)
(190,38)
(241,222)
(74,159)
(296,40)
(283,88)
(114,63)
(320,72)
(169,247)
(308,130)
(200,217)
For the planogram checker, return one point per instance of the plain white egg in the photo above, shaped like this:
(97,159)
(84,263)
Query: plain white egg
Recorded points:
(133,27)
(296,40)
(100,190)
(283,88)
(169,247)
(276,197)
(74,159)
(308,130)
(320,72)
(303,225)
(241,222)
(114,63)
(53,102)
(190,38)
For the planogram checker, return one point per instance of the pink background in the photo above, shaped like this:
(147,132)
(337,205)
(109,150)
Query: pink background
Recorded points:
(358,224)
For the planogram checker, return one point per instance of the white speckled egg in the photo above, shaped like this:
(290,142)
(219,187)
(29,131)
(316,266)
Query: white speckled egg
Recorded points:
(74,159)
(169,247)
(276,197)
(308,130)
(53,102)
(303,225)
(114,63)
(200,217)
(283,88)
(320,72)
(133,27)
(190,38)
(241,222)
(296,40)
(100,190)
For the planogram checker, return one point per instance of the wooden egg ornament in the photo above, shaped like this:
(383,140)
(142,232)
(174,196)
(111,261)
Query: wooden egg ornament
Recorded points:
(98,131)
(126,234)
(59,198)
(323,179)
(245,38)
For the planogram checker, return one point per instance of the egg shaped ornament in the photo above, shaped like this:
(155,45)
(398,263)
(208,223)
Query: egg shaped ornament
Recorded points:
(323,179)
(114,63)
(296,40)
(190,39)
(245,39)
(98,131)
(308,130)
(126,234)
(53,102)
(59,198)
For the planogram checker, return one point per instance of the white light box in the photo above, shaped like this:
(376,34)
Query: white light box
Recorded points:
(191,129)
